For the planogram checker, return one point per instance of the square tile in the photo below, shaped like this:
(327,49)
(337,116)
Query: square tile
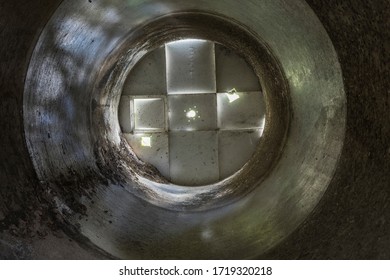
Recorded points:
(235,149)
(151,148)
(149,114)
(190,67)
(148,77)
(194,158)
(240,110)
(192,112)
(232,71)
(124,114)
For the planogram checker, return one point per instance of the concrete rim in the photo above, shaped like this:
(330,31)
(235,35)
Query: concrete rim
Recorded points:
(54,105)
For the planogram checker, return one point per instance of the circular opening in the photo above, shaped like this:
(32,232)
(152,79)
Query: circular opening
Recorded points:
(71,100)
(164,37)
(194,110)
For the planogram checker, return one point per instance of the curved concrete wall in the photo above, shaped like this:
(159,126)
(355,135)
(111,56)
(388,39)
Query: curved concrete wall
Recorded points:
(349,222)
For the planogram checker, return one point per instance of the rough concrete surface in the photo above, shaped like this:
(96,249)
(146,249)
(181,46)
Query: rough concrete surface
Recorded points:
(353,218)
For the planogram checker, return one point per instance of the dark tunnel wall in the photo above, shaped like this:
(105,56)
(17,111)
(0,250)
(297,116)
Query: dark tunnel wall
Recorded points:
(26,221)
(352,219)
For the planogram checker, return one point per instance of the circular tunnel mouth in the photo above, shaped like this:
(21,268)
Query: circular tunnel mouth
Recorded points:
(99,187)
(194,110)
(271,115)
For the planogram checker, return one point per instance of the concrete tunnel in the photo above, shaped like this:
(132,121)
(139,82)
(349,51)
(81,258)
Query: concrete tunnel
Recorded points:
(166,129)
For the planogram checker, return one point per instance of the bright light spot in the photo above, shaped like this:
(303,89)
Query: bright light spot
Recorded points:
(232,95)
(186,42)
(146,142)
(191,114)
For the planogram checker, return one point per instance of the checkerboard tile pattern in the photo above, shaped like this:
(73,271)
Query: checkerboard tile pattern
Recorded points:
(194,110)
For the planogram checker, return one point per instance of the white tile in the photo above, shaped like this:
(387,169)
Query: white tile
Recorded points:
(246,111)
(232,71)
(192,112)
(149,114)
(235,149)
(151,148)
(190,67)
(194,158)
(148,77)
(124,114)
